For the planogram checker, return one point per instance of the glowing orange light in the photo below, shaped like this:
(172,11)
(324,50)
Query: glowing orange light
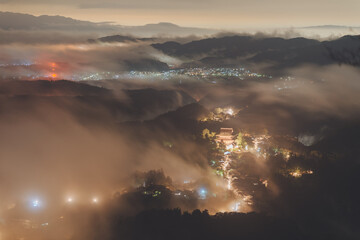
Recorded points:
(54,75)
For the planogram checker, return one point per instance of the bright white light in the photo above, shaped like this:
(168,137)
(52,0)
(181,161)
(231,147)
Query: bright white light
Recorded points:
(229,184)
(202,193)
(236,207)
(230,111)
(36,203)
(230,146)
(70,200)
(95,200)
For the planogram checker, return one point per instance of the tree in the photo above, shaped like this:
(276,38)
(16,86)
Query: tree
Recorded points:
(207,134)
(239,139)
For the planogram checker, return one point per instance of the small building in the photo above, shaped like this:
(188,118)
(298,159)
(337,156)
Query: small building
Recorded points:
(225,136)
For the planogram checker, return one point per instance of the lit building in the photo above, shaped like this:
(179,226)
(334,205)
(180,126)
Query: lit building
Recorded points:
(226,136)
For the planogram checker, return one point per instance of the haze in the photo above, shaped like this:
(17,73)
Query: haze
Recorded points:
(225,14)
(176,120)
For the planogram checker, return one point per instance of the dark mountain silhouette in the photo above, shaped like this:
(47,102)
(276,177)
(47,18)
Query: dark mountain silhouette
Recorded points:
(232,46)
(173,224)
(50,88)
(345,50)
(85,100)
(191,111)
(135,105)
(146,64)
(155,102)
(183,119)
(282,53)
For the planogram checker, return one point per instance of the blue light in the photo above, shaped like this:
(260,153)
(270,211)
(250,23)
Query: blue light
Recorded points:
(202,193)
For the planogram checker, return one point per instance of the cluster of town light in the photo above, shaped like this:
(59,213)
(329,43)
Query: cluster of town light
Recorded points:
(226,137)
(36,203)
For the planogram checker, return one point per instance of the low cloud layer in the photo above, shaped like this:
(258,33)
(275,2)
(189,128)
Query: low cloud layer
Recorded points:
(47,153)
(76,61)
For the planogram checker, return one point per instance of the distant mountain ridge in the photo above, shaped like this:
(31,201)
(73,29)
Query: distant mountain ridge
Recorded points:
(27,22)
(19,21)
(119,39)
(282,53)
(331,26)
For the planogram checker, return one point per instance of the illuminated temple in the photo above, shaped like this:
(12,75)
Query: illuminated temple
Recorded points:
(225,136)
